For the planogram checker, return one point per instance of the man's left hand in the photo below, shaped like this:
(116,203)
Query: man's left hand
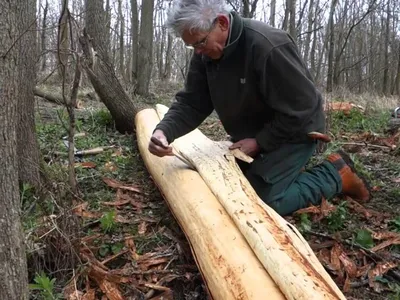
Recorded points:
(248,146)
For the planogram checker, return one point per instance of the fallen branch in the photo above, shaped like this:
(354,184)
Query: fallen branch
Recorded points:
(57,99)
(365,145)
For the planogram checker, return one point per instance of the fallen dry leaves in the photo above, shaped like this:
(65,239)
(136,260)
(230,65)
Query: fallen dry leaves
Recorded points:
(118,185)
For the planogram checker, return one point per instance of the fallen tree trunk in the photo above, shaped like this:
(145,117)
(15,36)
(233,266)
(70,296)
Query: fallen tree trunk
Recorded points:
(49,96)
(228,265)
(280,247)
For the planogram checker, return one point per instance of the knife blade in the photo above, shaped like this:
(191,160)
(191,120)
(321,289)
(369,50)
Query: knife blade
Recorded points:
(178,156)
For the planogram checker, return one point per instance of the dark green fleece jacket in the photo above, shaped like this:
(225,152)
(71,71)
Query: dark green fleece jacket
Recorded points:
(260,89)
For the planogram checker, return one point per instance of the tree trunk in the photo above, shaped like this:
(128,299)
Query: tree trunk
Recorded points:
(13,271)
(272,13)
(145,58)
(385,79)
(292,20)
(101,72)
(28,147)
(63,43)
(43,36)
(121,41)
(135,38)
(329,83)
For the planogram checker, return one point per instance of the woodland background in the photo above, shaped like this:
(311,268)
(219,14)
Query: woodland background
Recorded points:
(117,54)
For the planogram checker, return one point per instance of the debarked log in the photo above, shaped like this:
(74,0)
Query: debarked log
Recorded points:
(228,265)
(279,246)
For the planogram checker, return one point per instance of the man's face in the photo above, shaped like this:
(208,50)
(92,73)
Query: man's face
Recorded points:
(210,43)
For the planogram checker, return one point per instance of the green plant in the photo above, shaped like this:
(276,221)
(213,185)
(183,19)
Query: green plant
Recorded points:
(335,220)
(45,286)
(395,224)
(108,222)
(364,238)
(305,223)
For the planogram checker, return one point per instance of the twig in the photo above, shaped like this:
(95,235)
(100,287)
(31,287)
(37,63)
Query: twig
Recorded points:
(364,144)
(113,257)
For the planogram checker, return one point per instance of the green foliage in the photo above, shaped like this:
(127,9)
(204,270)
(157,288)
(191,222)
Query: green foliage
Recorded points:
(103,118)
(364,239)
(395,224)
(304,224)
(335,220)
(45,286)
(107,221)
(357,121)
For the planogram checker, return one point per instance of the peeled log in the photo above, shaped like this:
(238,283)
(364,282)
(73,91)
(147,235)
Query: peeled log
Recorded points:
(229,267)
(280,247)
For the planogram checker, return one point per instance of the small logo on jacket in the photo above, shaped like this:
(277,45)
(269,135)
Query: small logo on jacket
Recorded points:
(242,80)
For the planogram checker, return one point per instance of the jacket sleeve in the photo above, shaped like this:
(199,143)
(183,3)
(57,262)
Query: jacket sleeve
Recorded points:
(289,91)
(193,103)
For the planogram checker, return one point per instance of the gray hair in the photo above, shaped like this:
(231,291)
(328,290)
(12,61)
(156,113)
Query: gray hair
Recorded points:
(194,14)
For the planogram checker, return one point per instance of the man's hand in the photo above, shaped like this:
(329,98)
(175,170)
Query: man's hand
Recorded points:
(158,144)
(248,146)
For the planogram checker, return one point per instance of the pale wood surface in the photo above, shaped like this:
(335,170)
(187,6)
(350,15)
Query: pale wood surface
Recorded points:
(280,247)
(228,265)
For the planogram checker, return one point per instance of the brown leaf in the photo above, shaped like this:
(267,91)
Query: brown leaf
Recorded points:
(382,267)
(379,270)
(142,228)
(121,219)
(89,295)
(387,243)
(86,165)
(109,288)
(146,264)
(167,295)
(357,207)
(326,207)
(347,284)
(349,265)
(118,185)
(130,244)
(80,210)
(336,251)
(308,210)
(363,271)
(385,235)
(116,203)
(345,107)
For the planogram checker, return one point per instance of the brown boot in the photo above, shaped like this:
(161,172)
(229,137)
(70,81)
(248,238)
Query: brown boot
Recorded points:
(353,185)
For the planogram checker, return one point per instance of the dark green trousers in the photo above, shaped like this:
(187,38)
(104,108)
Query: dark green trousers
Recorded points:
(280,182)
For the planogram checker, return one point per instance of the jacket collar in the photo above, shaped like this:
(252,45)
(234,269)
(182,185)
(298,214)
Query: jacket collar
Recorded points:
(236,29)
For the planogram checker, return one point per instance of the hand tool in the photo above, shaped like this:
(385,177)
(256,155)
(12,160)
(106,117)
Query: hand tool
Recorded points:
(178,156)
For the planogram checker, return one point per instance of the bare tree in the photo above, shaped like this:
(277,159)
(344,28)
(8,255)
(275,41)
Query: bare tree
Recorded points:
(14,283)
(101,71)
(145,54)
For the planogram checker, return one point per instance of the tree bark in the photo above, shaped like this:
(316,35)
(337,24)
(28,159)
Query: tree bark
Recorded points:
(13,271)
(145,58)
(28,147)
(101,72)
(329,83)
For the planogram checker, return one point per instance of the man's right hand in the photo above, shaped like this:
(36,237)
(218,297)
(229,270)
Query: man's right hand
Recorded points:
(158,144)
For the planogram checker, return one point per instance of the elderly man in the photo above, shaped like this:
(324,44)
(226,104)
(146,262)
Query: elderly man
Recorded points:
(252,75)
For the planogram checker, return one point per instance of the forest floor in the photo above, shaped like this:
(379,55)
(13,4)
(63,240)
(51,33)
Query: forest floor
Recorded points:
(128,243)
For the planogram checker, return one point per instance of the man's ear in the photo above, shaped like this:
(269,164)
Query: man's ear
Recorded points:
(223,22)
